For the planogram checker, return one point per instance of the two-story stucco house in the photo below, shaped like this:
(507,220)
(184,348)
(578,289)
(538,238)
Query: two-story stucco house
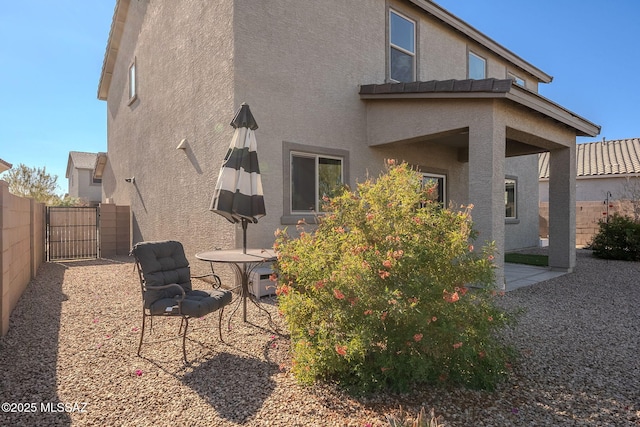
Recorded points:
(335,86)
(83,184)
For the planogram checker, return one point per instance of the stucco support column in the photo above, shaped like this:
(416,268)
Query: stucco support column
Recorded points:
(486,187)
(562,208)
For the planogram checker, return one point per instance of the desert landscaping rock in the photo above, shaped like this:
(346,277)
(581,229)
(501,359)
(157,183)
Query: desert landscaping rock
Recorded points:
(74,334)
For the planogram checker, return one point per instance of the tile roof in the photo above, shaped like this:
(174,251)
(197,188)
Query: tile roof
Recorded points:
(617,157)
(433,86)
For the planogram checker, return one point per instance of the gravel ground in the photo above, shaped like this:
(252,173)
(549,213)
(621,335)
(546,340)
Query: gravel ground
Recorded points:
(74,335)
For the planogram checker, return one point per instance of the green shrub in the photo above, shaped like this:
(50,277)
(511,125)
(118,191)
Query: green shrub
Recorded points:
(379,295)
(619,238)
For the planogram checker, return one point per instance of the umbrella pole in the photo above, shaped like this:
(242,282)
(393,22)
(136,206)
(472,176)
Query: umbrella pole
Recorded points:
(244,236)
(245,290)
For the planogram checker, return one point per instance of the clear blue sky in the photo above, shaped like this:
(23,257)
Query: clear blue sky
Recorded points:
(51,55)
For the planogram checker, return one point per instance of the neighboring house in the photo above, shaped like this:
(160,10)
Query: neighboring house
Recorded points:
(80,173)
(4,166)
(607,178)
(603,170)
(334,86)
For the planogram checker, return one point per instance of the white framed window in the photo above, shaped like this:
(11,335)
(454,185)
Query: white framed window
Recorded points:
(133,82)
(511,198)
(519,81)
(402,47)
(439,181)
(477,67)
(314,177)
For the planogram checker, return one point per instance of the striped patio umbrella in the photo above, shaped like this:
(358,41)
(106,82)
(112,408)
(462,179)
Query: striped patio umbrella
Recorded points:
(238,193)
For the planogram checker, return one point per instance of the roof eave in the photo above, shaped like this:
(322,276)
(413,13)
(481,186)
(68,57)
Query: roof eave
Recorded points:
(69,166)
(5,166)
(434,95)
(543,105)
(101,161)
(113,45)
(467,30)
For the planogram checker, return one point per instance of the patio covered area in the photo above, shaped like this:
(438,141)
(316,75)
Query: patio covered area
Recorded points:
(483,122)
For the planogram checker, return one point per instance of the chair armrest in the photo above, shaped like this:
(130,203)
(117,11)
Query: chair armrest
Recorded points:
(170,285)
(217,282)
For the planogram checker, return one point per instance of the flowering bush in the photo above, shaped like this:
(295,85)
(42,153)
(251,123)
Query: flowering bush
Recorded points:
(388,290)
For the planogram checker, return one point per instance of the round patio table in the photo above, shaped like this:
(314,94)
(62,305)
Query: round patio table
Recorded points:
(243,262)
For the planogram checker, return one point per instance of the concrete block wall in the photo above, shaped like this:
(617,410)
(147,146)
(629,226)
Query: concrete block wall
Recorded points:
(588,215)
(115,230)
(22,244)
(21,247)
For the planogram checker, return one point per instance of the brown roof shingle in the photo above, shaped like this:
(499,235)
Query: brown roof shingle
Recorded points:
(484,85)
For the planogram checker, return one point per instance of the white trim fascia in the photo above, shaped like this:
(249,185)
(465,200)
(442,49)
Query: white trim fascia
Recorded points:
(537,102)
(113,45)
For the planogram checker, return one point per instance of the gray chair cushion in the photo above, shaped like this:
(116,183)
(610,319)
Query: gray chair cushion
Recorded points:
(196,303)
(162,263)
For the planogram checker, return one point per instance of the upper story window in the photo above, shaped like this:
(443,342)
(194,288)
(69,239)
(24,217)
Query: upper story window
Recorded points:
(516,79)
(133,90)
(402,48)
(477,67)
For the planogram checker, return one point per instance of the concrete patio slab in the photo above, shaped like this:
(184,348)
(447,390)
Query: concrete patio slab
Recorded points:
(519,275)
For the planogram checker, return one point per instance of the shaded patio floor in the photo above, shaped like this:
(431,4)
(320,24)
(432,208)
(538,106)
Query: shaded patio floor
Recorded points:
(519,275)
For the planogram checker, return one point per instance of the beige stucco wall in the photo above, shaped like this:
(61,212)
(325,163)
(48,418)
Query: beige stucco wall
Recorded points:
(592,188)
(307,74)
(185,87)
(81,185)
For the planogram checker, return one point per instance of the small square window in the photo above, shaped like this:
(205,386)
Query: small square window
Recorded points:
(402,49)
(477,67)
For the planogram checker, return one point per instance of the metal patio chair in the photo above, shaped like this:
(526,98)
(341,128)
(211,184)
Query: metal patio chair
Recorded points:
(165,282)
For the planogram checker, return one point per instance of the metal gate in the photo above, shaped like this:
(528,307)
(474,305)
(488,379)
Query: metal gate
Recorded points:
(72,233)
